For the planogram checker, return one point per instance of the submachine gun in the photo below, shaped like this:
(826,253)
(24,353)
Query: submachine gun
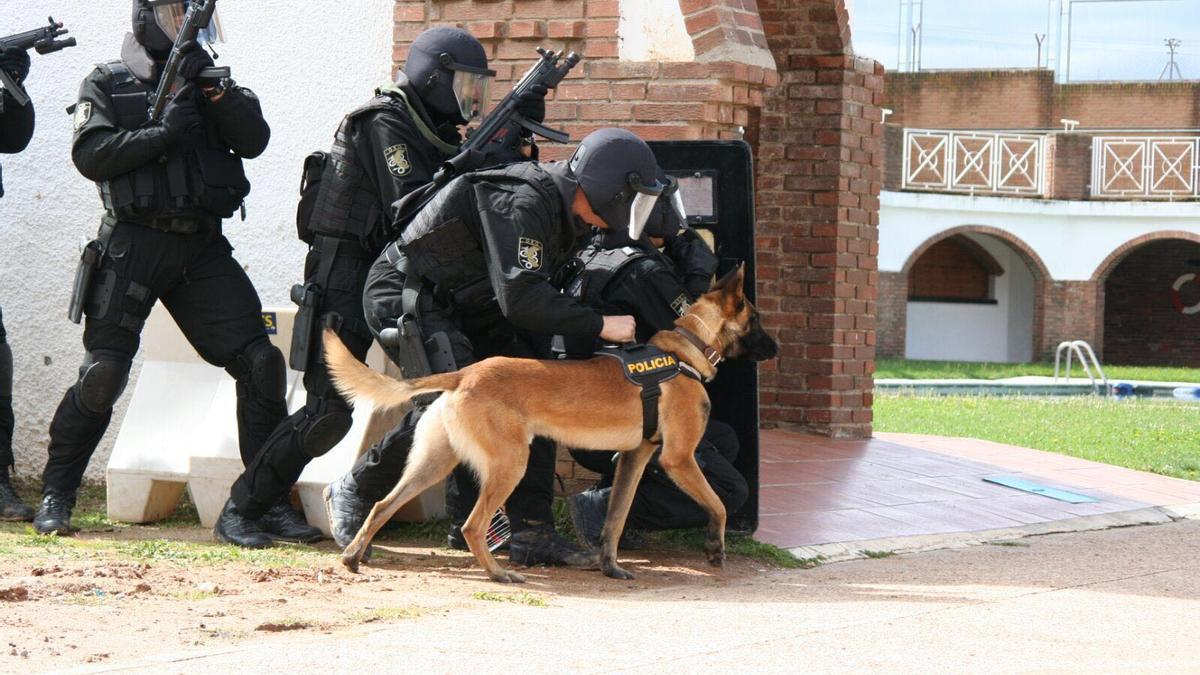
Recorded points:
(43,40)
(406,338)
(199,15)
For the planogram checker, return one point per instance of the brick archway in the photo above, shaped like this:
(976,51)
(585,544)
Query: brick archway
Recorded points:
(1110,263)
(894,287)
(1158,326)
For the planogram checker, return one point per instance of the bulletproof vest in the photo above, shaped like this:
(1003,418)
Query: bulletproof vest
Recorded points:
(202,180)
(444,241)
(600,267)
(348,203)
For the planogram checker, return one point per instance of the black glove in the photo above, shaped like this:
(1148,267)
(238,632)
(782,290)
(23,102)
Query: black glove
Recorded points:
(16,63)
(532,104)
(192,60)
(181,117)
(694,261)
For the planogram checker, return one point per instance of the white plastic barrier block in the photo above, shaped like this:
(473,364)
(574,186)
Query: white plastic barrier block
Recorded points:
(181,429)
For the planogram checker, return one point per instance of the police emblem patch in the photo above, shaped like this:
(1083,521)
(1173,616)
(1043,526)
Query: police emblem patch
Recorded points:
(397,160)
(680,305)
(529,251)
(83,113)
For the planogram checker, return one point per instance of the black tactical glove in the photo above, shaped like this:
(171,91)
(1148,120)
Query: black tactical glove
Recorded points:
(532,104)
(16,63)
(192,60)
(181,117)
(694,261)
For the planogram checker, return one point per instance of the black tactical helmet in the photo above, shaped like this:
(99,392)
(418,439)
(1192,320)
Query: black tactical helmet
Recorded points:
(448,68)
(156,24)
(618,173)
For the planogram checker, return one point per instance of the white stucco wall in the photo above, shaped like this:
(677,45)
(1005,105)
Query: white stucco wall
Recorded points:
(1071,237)
(653,31)
(309,63)
(977,332)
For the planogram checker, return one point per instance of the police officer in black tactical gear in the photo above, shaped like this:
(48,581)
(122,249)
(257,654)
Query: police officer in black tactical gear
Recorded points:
(166,188)
(479,268)
(621,276)
(16,129)
(383,150)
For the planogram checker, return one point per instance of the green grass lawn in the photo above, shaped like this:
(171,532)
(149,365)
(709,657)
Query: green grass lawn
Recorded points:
(1160,436)
(941,370)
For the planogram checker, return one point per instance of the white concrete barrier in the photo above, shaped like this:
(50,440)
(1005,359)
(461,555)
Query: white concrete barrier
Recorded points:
(181,430)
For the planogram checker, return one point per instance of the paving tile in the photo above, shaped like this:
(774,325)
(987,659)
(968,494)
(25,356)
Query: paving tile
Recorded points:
(817,490)
(781,499)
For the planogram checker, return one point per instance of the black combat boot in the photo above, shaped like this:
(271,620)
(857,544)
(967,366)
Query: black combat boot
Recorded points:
(54,517)
(11,506)
(588,512)
(541,545)
(283,523)
(347,511)
(234,528)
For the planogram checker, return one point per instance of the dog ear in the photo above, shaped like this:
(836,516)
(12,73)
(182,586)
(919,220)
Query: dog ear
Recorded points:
(733,280)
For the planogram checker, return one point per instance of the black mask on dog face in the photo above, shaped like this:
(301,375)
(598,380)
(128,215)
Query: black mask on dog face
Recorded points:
(756,344)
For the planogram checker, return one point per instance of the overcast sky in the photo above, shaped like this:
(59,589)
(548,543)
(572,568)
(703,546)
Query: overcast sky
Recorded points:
(1114,39)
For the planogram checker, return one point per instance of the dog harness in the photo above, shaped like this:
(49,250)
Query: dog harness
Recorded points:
(648,367)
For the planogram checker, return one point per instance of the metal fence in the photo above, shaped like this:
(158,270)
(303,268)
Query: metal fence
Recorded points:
(1147,167)
(975,162)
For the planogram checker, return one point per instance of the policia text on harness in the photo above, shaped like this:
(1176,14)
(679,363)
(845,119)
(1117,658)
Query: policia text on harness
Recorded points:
(648,367)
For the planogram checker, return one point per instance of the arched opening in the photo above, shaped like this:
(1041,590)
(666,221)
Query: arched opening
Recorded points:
(973,296)
(1151,296)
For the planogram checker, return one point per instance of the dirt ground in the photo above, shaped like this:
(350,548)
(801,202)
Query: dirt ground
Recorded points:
(103,595)
(167,600)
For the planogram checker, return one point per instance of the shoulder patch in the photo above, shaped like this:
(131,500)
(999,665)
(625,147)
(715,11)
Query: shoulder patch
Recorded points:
(529,252)
(680,305)
(397,160)
(83,114)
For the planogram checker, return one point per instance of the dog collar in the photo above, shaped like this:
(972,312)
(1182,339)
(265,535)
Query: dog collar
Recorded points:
(711,355)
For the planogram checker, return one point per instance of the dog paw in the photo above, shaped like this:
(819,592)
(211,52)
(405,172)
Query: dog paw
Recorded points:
(717,559)
(616,572)
(508,577)
(351,563)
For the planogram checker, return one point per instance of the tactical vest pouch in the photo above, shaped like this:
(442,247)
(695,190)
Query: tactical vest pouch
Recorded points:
(224,178)
(310,186)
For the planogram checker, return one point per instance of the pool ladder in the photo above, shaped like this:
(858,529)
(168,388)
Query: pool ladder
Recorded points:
(1086,355)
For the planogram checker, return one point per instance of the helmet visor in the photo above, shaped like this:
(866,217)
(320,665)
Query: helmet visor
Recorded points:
(676,197)
(169,16)
(472,91)
(639,213)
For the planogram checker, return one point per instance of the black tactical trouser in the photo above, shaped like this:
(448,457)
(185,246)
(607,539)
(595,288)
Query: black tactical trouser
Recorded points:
(7,421)
(658,504)
(212,301)
(325,418)
(474,335)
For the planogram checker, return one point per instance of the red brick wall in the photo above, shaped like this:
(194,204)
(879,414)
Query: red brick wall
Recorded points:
(1029,99)
(815,128)
(1069,310)
(892,310)
(953,269)
(819,175)
(1142,325)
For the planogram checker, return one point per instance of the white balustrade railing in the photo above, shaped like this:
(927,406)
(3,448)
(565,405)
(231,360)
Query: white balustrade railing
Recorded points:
(976,162)
(1146,167)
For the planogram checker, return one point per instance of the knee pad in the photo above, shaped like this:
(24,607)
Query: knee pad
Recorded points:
(102,379)
(261,367)
(325,427)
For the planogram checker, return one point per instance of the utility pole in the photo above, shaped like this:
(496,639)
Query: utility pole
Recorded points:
(1041,38)
(1171,70)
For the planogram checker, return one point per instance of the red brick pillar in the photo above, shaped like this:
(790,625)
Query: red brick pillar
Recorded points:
(819,176)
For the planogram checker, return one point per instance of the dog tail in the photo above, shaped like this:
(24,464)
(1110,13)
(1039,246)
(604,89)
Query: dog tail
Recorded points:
(355,381)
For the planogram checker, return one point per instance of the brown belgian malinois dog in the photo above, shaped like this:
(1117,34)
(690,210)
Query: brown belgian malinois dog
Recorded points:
(492,410)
